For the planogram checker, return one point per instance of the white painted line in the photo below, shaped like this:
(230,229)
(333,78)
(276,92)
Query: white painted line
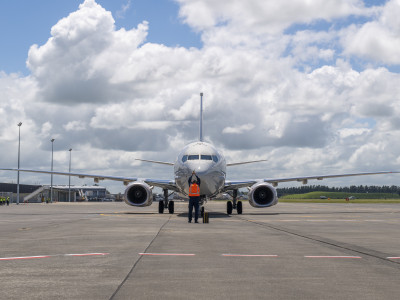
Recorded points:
(24,257)
(168,254)
(250,255)
(395,257)
(331,256)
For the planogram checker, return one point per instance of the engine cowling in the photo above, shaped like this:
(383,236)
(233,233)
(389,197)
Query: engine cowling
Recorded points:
(262,194)
(138,194)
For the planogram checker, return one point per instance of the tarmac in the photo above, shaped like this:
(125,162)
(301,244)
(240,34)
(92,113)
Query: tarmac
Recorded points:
(114,251)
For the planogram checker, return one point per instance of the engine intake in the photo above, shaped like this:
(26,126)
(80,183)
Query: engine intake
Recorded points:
(263,195)
(138,194)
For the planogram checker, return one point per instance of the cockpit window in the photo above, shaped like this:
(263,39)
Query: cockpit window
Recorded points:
(206,157)
(193,157)
(202,157)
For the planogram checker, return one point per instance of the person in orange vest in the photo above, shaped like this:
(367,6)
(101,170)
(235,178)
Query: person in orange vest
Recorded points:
(194,197)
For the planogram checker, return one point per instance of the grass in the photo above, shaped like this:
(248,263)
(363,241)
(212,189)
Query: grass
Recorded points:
(340,197)
(337,197)
(359,201)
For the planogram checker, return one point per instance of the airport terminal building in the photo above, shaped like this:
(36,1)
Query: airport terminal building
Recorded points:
(61,193)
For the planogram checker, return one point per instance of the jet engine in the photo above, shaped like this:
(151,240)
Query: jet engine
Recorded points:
(138,194)
(262,194)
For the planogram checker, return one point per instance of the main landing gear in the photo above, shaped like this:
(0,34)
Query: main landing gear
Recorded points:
(234,204)
(166,204)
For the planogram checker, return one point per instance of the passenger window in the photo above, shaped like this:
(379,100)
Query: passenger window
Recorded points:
(193,157)
(184,158)
(215,158)
(206,157)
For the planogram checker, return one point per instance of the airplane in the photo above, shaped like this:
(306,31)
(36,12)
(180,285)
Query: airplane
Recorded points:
(211,167)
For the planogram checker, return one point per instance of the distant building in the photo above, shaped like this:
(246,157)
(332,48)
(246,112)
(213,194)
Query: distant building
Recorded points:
(35,193)
(80,193)
(23,188)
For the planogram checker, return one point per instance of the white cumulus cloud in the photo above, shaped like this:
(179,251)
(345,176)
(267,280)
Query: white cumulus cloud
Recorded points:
(293,97)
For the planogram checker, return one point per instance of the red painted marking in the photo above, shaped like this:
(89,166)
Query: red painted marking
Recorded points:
(86,254)
(167,254)
(326,256)
(393,257)
(250,255)
(24,257)
(47,256)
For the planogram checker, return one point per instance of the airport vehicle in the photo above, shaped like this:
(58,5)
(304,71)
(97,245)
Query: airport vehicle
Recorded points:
(210,165)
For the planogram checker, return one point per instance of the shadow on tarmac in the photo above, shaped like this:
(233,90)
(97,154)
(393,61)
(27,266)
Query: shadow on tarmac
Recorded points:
(214,215)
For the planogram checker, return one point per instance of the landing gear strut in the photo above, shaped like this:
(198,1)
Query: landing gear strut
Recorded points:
(234,196)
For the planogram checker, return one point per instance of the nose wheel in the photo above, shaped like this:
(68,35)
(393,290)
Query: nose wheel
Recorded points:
(239,207)
(171,207)
(161,207)
(229,207)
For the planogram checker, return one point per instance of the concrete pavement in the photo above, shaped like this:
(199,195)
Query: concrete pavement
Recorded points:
(113,251)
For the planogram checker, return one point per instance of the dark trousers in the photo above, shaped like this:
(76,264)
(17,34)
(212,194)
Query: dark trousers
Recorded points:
(194,202)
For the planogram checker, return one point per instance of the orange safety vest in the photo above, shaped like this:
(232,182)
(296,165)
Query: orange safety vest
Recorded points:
(194,190)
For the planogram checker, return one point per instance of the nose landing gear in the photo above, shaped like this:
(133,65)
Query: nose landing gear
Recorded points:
(231,205)
(166,204)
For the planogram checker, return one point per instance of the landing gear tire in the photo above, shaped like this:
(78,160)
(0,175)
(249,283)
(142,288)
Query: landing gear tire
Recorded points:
(171,207)
(229,207)
(239,207)
(202,211)
(161,207)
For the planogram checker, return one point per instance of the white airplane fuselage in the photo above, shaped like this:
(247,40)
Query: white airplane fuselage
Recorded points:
(208,163)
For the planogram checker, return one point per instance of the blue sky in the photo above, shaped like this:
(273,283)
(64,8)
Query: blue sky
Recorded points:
(26,22)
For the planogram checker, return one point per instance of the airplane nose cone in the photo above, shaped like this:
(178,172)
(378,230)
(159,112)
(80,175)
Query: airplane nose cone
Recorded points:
(200,168)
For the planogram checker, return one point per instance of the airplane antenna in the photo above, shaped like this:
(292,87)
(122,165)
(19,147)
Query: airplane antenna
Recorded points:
(201,117)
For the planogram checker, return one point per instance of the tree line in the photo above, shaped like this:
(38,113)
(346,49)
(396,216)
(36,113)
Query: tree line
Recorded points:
(350,189)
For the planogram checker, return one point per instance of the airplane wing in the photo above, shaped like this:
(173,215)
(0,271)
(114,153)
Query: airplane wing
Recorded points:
(245,162)
(231,185)
(156,162)
(168,184)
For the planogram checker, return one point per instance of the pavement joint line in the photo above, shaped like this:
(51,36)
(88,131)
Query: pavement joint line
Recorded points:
(257,255)
(138,260)
(320,240)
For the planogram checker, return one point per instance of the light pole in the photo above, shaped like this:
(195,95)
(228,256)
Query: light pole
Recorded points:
(51,186)
(19,150)
(69,181)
